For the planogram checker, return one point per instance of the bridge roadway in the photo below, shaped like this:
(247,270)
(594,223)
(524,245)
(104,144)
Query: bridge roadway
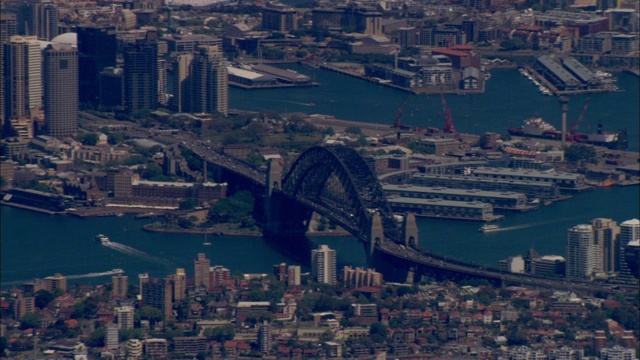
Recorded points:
(419,258)
(206,151)
(416,256)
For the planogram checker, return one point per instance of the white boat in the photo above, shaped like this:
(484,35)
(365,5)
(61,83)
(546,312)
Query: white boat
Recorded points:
(117,271)
(103,239)
(489,228)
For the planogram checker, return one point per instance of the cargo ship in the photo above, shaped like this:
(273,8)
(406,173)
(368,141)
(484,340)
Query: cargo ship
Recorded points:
(536,127)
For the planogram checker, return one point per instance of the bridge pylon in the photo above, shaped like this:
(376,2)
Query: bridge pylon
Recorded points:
(376,233)
(283,217)
(410,231)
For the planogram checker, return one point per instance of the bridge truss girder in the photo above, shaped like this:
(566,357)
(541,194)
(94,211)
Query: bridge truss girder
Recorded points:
(339,184)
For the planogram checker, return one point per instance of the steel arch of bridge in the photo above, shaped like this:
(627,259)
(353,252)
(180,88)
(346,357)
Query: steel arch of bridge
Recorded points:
(363,195)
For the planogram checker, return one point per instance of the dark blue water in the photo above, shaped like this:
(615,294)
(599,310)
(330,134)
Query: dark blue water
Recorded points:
(509,99)
(37,245)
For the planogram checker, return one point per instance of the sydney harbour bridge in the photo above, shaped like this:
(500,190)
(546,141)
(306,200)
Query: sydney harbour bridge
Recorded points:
(337,183)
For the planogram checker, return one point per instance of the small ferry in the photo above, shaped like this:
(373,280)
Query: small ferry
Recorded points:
(117,271)
(103,239)
(489,228)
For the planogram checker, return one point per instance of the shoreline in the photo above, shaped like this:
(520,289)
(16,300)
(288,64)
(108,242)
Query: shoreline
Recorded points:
(224,230)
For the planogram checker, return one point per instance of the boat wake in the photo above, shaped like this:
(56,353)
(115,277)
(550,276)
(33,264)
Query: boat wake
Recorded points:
(128,250)
(69,277)
(524,226)
(295,103)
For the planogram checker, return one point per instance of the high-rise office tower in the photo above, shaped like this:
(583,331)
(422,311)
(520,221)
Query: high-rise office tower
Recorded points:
(209,83)
(97,48)
(38,18)
(120,284)
(181,69)
(61,89)
(581,254)
(125,316)
(201,270)
(111,88)
(629,231)
(141,74)
(22,77)
(323,265)
(8,28)
(162,81)
(605,240)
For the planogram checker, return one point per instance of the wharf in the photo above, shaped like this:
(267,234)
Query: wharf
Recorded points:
(274,86)
(539,77)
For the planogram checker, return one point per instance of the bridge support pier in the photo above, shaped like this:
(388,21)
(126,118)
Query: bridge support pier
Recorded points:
(283,217)
(410,231)
(376,234)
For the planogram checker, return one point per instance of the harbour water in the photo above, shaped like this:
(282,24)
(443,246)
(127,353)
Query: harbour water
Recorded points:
(509,99)
(38,245)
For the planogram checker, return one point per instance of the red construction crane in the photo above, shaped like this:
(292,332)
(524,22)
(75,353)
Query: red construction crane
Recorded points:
(449,128)
(398,123)
(574,126)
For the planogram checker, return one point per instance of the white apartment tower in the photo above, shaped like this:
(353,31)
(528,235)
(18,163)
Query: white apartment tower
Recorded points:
(629,231)
(323,265)
(125,316)
(581,254)
(23,77)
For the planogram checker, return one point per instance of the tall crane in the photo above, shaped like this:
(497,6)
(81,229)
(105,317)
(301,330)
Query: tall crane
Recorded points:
(398,122)
(574,126)
(449,128)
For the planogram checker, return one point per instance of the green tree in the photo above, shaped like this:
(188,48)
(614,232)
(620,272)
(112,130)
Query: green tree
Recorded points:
(220,334)
(580,152)
(355,130)
(88,139)
(153,170)
(151,313)
(378,332)
(43,298)
(96,339)
(30,321)
(188,204)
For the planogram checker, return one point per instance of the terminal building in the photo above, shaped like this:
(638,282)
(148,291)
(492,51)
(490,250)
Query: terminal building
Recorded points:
(247,78)
(499,200)
(444,209)
(565,181)
(532,189)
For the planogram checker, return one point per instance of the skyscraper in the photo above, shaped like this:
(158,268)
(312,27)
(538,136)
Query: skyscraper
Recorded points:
(209,83)
(38,18)
(605,240)
(201,270)
(141,74)
(323,265)
(22,77)
(629,231)
(96,50)
(61,89)
(8,28)
(581,253)
(181,69)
